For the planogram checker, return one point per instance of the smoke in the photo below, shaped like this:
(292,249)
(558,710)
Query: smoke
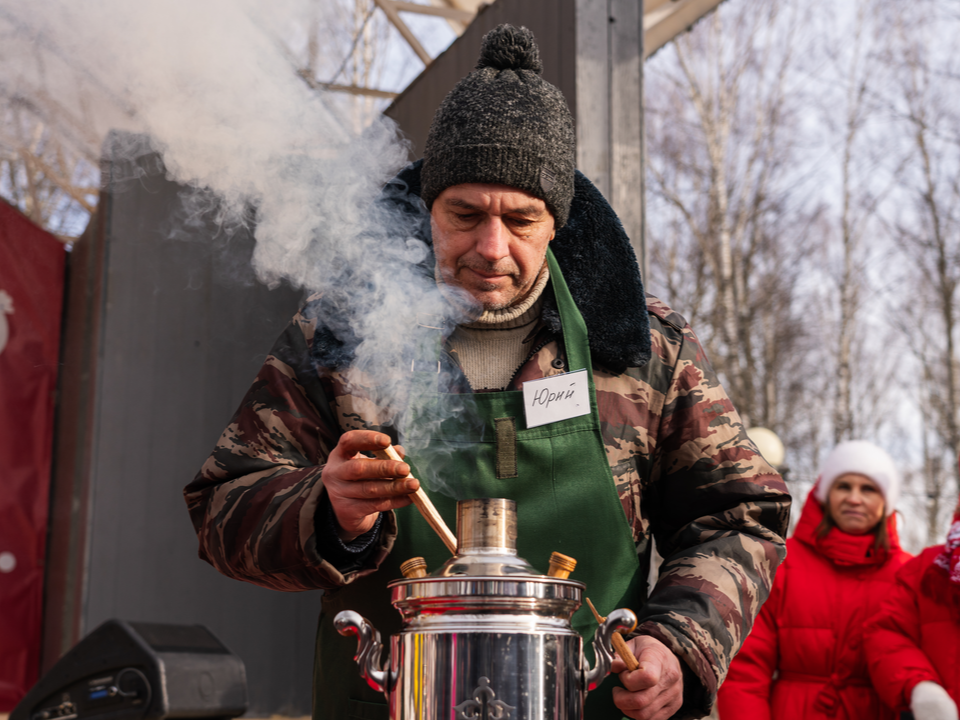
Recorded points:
(214,88)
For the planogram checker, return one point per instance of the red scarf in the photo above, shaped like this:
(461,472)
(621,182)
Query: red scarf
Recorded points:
(949,559)
(839,547)
(941,580)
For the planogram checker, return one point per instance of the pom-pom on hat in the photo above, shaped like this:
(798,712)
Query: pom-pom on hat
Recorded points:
(863,458)
(504,124)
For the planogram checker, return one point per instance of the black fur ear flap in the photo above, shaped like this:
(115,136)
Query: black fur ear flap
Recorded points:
(601,269)
(598,263)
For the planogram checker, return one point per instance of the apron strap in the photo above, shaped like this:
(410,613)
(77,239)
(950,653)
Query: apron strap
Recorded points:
(574,327)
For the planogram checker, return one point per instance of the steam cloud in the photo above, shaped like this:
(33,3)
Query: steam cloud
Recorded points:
(209,82)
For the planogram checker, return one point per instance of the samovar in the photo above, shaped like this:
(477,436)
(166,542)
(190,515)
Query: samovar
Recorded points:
(485,636)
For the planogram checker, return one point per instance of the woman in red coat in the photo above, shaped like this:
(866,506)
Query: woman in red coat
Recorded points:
(804,658)
(913,645)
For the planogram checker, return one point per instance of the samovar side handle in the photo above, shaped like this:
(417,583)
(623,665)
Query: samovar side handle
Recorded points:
(603,646)
(369,649)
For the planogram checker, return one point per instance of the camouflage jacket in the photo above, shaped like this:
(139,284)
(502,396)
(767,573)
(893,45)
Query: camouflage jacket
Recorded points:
(686,474)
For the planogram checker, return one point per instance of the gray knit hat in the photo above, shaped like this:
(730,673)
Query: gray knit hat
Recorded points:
(504,124)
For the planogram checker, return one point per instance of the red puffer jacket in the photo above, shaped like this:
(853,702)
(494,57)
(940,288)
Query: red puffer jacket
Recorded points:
(810,631)
(916,635)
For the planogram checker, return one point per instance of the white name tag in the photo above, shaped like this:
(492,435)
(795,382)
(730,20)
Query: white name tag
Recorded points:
(556,398)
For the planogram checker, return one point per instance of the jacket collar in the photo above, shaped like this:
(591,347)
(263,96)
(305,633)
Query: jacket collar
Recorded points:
(597,261)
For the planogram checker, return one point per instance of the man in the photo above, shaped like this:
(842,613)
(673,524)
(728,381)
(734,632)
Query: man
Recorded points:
(291,500)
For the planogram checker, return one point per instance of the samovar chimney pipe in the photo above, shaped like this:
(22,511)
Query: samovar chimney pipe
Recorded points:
(487,525)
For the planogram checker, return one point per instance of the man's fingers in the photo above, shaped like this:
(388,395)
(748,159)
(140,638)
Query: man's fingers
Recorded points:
(654,691)
(363,468)
(650,671)
(361,487)
(383,504)
(361,514)
(377,489)
(652,704)
(357,441)
(647,673)
(641,678)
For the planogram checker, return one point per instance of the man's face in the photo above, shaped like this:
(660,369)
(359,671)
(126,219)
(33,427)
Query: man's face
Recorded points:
(490,240)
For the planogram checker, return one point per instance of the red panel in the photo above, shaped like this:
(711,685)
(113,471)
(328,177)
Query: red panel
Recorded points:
(31,299)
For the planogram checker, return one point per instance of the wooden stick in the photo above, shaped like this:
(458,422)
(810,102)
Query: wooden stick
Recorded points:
(619,644)
(424,505)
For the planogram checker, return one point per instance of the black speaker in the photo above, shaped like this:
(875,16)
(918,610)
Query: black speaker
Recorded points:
(132,670)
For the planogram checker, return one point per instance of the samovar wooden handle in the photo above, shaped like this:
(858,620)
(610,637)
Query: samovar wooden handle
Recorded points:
(369,649)
(620,619)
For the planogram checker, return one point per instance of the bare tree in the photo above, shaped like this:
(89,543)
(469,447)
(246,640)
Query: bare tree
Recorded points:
(926,225)
(55,112)
(856,140)
(725,222)
(856,80)
(348,48)
(52,184)
(766,150)
(48,156)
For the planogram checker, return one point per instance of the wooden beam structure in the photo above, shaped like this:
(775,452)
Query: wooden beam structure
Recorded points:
(663,20)
(357,90)
(444,11)
(392,12)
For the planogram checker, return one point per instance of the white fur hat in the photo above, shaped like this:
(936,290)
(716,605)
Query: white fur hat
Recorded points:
(863,458)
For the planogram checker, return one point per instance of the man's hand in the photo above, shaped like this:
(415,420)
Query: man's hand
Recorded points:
(654,691)
(360,487)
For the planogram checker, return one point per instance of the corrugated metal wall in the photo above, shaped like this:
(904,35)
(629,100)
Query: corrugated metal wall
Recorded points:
(166,328)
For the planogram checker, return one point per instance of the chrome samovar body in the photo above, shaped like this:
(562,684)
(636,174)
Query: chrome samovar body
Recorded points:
(485,636)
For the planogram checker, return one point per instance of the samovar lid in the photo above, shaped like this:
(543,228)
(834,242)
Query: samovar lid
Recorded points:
(486,574)
(480,600)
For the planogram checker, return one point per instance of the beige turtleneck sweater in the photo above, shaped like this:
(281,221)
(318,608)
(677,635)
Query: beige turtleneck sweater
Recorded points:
(492,348)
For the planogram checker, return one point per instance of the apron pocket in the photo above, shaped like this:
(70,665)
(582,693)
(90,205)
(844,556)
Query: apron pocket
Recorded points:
(360,710)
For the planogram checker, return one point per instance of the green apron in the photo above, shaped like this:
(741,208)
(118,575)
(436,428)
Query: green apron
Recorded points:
(566,502)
